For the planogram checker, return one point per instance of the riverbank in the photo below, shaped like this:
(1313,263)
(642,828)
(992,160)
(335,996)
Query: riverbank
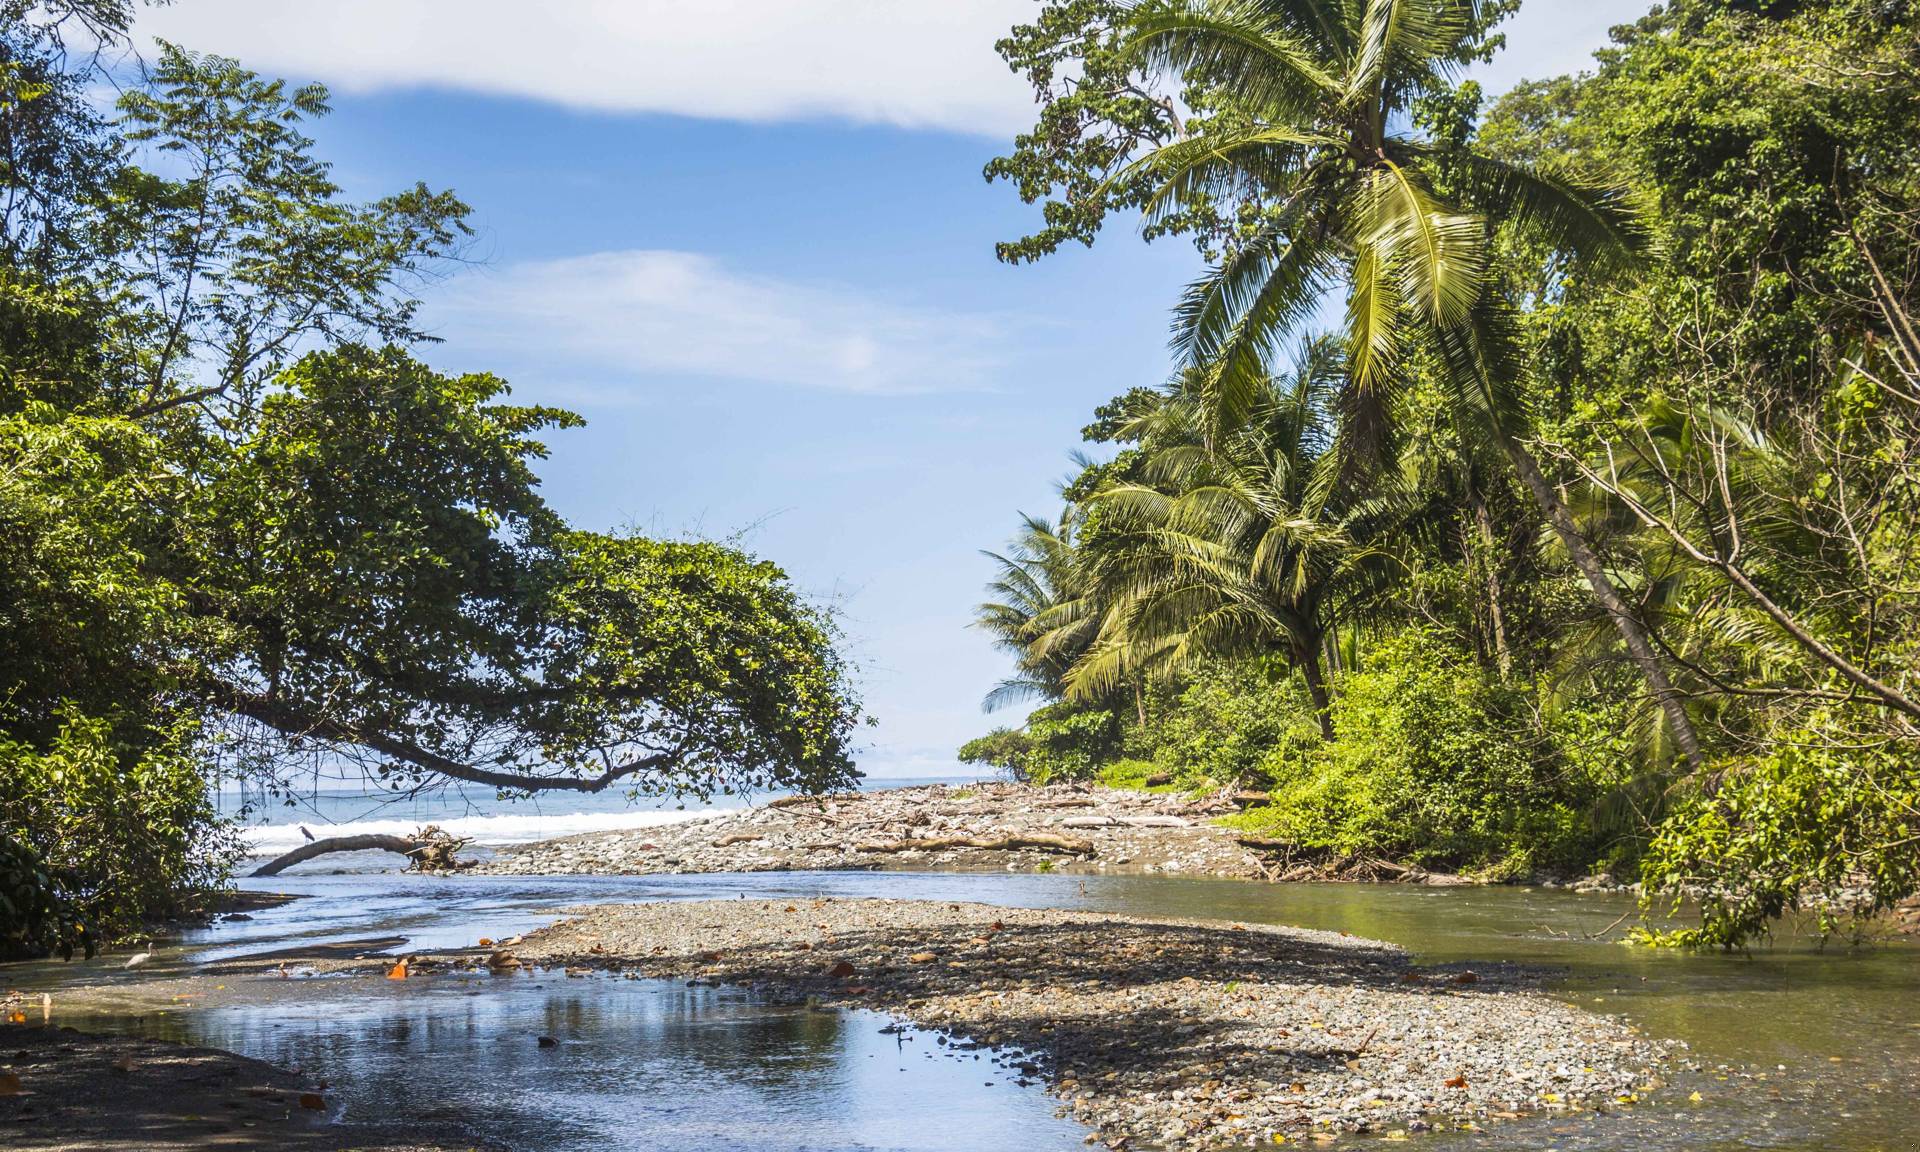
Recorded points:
(68,1091)
(1163,1033)
(995,825)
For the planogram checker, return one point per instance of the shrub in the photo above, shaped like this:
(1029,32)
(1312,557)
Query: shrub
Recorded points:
(1065,741)
(1431,763)
(1133,774)
(37,913)
(124,826)
(1822,821)
(1233,722)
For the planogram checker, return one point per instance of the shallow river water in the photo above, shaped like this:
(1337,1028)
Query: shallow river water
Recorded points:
(1820,1048)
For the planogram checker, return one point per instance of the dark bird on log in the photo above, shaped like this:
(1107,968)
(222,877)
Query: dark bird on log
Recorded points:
(304,832)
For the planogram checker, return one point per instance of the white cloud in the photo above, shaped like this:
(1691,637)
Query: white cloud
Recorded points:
(916,63)
(604,321)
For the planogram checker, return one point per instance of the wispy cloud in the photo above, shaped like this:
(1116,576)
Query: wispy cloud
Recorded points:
(916,63)
(606,322)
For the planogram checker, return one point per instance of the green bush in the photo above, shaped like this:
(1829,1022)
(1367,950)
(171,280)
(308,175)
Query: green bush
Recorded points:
(1823,822)
(1065,741)
(1233,722)
(1133,774)
(37,913)
(1431,763)
(123,826)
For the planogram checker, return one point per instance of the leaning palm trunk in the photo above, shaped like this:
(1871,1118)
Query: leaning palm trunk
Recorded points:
(1306,654)
(1632,631)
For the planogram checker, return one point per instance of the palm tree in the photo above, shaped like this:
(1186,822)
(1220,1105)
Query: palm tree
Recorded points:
(1322,91)
(1039,575)
(1230,547)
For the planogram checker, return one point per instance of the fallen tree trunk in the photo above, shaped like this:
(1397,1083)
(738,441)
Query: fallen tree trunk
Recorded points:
(797,801)
(431,850)
(1037,840)
(368,843)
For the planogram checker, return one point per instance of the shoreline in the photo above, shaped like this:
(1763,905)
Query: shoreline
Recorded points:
(988,826)
(1169,1033)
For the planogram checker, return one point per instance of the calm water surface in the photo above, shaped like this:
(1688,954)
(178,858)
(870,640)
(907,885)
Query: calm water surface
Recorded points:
(1821,1048)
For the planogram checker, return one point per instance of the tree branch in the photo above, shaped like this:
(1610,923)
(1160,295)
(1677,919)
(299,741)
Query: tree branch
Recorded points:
(295,721)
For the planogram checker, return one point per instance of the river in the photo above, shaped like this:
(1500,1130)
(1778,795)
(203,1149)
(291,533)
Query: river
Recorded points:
(1821,1048)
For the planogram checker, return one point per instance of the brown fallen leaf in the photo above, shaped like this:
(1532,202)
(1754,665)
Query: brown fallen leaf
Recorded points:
(312,1101)
(1456,1082)
(485,942)
(398,971)
(124,1064)
(857,990)
(922,958)
(840,971)
(1466,978)
(16,1017)
(10,1084)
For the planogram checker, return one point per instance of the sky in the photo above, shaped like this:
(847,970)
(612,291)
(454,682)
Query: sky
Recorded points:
(750,241)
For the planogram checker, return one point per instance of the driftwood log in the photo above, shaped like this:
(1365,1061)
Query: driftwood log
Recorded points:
(430,850)
(1042,841)
(798,801)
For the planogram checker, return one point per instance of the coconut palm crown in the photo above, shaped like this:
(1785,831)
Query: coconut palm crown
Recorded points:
(1352,200)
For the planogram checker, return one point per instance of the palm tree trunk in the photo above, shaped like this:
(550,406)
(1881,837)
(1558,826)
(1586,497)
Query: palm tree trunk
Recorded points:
(1502,656)
(1632,631)
(1307,655)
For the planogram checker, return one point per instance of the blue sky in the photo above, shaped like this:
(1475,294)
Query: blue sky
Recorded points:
(750,242)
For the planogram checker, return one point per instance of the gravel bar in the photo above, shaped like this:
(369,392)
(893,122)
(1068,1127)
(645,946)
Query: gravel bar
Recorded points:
(1155,1033)
(1014,827)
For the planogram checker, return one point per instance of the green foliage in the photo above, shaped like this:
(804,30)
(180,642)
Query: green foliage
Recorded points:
(1635,361)
(1133,775)
(125,826)
(37,912)
(221,512)
(1824,821)
(1060,742)
(1426,768)
(1234,723)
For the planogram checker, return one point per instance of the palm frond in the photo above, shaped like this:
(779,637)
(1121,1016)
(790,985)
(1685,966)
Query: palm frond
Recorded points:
(1242,45)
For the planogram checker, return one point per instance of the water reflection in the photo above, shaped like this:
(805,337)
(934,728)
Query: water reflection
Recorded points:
(647,1065)
(637,1065)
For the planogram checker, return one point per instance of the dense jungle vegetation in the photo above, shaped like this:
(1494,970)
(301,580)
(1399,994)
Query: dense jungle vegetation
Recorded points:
(244,528)
(1536,490)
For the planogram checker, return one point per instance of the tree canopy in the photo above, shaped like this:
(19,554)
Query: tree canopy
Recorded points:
(1636,349)
(243,526)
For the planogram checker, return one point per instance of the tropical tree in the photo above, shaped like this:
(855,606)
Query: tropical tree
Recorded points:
(1039,575)
(1235,546)
(1313,105)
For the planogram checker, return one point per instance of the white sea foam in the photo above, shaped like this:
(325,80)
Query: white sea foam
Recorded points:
(494,830)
